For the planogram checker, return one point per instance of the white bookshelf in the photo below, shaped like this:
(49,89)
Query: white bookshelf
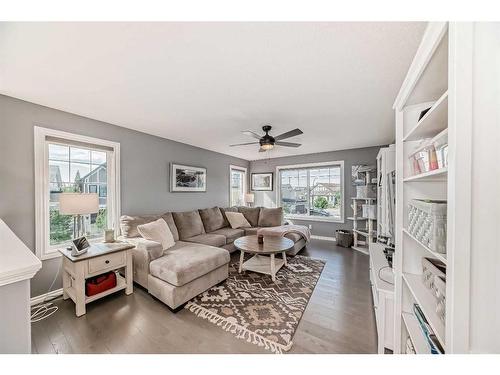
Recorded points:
(426,85)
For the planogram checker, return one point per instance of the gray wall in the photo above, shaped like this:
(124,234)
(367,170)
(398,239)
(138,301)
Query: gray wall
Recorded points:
(350,157)
(144,171)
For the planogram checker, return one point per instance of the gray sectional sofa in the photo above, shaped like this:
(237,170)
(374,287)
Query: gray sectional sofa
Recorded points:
(199,260)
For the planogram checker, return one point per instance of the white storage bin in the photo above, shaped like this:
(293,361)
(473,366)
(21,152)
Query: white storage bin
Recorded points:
(370,211)
(440,294)
(432,268)
(410,349)
(427,223)
(366,191)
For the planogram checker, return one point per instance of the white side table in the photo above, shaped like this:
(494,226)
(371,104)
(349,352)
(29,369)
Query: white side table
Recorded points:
(99,259)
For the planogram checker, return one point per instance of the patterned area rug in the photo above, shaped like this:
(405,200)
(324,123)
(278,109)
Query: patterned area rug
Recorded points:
(254,308)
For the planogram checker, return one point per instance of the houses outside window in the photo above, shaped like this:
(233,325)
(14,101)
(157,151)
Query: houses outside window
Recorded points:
(67,162)
(312,191)
(237,185)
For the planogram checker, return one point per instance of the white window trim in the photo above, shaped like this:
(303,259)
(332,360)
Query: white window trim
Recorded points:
(41,184)
(245,184)
(312,165)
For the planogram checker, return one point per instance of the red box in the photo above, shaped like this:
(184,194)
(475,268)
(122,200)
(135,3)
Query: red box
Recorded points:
(99,284)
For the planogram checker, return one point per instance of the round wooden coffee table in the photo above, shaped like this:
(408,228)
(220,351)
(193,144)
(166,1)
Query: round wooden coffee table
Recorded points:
(260,262)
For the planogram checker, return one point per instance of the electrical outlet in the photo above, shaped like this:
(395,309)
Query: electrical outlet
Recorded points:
(310,226)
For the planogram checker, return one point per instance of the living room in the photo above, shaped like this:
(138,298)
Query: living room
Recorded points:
(248,187)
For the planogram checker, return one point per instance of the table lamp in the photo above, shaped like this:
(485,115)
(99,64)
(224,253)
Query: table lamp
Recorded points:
(78,204)
(249,199)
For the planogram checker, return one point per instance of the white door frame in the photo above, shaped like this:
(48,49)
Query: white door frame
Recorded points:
(245,179)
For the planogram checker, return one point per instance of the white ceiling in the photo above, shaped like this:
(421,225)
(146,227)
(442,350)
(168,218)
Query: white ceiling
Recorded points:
(203,83)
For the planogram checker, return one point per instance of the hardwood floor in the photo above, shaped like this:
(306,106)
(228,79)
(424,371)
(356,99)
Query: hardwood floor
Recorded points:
(338,319)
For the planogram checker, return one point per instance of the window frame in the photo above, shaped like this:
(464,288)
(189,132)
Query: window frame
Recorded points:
(42,231)
(245,181)
(339,163)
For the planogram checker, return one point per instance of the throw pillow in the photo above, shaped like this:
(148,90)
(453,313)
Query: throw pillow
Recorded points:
(237,220)
(212,219)
(251,214)
(128,224)
(271,217)
(157,231)
(228,209)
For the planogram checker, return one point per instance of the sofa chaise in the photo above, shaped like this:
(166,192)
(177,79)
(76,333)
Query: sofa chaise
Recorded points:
(201,254)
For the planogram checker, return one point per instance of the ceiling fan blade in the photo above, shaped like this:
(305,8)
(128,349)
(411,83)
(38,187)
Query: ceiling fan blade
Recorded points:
(288,144)
(291,133)
(243,144)
(251,134)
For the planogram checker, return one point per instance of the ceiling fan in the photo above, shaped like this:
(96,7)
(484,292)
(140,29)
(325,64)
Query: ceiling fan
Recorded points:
(267,142)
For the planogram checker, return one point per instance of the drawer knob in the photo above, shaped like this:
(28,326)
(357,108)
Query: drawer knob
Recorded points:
(107,262)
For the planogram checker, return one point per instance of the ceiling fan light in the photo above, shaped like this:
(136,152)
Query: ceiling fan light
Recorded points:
(267,146)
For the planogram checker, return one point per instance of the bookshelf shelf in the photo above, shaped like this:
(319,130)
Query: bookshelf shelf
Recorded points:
(435,175)
(427,303)
(415,333)
(441,257)
(434,121)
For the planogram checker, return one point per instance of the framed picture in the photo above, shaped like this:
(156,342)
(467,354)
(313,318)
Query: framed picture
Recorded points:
(185,178)
(262,181)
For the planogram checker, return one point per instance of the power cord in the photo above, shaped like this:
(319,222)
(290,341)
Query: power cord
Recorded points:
(381,278)
(45,308)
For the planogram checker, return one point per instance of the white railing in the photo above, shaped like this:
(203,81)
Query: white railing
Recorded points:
(17,261)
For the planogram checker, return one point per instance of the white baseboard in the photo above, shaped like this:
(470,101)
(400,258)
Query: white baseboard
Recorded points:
(49,295)
(324,238)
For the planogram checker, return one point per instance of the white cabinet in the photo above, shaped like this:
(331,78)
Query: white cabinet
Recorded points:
(382,284)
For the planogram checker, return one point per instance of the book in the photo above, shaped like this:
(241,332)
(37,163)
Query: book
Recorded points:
(431,339)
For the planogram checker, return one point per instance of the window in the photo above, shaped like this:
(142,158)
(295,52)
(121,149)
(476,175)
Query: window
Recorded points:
(237,185)
(67,162)
(312,191)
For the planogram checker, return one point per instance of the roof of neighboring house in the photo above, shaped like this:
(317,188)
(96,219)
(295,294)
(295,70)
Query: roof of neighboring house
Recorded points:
(55,175)
(91,173)
(326,186)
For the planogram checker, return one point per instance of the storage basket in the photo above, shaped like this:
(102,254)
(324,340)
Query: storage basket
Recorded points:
(432,268)
(410,349)
(370,211)
(366,191)
(427,223)
(440,294)
(344,238)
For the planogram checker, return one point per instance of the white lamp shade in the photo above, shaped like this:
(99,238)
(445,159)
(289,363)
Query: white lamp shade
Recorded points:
(78,203)
(249,198)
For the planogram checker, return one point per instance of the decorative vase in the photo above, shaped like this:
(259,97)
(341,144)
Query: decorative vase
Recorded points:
(109,235)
